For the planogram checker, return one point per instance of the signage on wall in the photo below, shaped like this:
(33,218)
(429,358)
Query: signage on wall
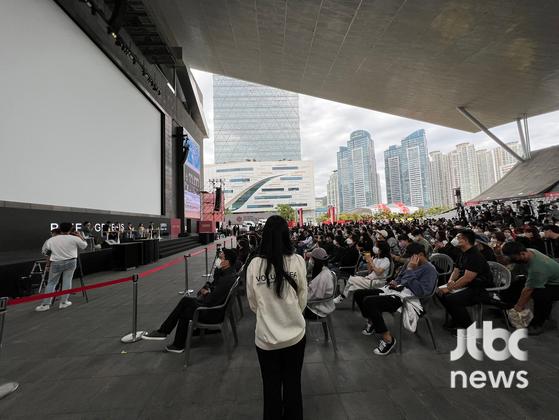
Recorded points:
(192,168)
(98,227)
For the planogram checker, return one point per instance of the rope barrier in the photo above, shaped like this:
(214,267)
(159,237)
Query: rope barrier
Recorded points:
(41,296)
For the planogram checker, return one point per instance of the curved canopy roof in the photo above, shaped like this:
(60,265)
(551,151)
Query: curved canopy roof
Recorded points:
(531,178)
(417,59)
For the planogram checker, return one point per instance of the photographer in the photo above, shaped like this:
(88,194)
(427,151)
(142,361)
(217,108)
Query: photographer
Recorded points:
(62,250)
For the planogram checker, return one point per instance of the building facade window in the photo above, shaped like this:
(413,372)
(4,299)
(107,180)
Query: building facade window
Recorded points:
(284,168)
(223,170)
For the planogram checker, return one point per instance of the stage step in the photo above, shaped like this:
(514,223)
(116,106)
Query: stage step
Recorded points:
(174,246)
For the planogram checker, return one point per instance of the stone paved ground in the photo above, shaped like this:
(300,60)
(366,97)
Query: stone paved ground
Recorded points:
(71,365)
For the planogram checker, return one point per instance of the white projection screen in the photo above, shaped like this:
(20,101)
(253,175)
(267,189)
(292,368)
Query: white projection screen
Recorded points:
(74,131)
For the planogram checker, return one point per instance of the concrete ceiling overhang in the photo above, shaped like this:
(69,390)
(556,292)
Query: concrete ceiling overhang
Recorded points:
(417,58)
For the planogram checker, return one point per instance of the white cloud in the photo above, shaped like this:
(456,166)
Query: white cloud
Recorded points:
(326,125)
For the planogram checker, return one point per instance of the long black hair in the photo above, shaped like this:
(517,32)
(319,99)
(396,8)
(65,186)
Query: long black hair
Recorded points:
(274,246)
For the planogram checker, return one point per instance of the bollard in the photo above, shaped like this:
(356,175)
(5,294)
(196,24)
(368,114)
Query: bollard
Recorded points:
(186,291)
(135,335)
(8,387)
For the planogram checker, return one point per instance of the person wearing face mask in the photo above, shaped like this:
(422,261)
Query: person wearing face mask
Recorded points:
(320,287)
(467,283)
(212,294)
(377,267)
(542,282)
(350,255)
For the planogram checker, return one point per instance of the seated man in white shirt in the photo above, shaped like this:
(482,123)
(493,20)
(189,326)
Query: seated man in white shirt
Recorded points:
(378,268)
(63,253)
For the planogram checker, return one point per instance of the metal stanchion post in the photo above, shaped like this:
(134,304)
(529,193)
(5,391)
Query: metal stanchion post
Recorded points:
(135,335)
(186,291)
(231,242)
(207,269)
(206,252)
(8,387)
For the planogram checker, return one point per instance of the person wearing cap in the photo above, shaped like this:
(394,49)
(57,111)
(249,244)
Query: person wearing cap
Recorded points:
(482,243)
(320,287)
(212,294)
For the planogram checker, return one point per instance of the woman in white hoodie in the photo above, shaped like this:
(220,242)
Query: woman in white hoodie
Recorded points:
(276,285)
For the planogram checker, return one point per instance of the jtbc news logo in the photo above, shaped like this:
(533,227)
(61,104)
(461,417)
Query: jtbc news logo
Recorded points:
(467,341)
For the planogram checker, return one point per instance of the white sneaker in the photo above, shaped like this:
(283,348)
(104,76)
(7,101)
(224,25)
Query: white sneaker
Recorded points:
(64,305)
(338,299)
(42,308)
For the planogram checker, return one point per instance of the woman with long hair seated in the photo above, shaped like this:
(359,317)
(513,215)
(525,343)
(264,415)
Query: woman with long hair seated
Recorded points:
(378,268)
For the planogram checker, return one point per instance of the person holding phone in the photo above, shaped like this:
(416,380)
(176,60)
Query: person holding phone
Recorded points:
(419,279)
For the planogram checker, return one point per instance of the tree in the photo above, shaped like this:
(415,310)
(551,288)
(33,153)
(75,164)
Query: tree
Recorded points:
(322,218)
(286,211)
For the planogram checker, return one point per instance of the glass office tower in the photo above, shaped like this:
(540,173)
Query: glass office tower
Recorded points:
(254,122)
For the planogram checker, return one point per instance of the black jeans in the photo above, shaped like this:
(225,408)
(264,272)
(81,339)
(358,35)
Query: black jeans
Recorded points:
(457,303)
(181,315)
(373,305)
(281,380)
(543,301)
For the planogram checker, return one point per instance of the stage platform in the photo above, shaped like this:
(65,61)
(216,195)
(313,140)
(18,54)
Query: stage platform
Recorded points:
(15,264)
(71,365)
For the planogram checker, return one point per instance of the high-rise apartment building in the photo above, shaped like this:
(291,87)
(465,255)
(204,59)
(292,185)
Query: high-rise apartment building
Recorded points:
(503,161)
(357,172)
(467,170)
(393,175)
(471,170)
(407,171)
(252,121)
(485,169)
(332,197)
(441,180)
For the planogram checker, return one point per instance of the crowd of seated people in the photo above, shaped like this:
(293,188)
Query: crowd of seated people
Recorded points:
(362,254)
(471,244)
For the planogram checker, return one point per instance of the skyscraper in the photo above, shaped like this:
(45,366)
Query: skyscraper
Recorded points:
(392,172)
(252,121)
(357,172)
(332,191)
(485,168)
(467,168)
(407,172)
(441,182)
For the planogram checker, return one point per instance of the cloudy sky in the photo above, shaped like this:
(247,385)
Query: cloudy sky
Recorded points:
(326,125)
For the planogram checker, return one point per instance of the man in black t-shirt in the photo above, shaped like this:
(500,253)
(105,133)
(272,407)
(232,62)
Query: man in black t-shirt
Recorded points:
(467,282)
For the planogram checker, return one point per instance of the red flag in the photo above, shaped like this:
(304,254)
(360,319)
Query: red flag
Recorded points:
(300,216)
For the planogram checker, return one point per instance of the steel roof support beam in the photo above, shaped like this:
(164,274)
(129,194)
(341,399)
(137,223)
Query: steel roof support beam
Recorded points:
(483,128)
(523,141)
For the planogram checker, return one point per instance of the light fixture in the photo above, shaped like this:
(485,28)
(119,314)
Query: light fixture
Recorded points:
(171,87)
